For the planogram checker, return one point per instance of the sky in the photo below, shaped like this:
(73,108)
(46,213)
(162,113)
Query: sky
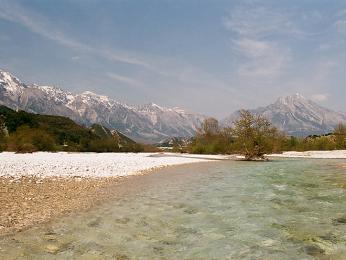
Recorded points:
(206,56)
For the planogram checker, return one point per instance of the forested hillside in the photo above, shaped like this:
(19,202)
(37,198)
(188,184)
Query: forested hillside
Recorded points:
(26,132)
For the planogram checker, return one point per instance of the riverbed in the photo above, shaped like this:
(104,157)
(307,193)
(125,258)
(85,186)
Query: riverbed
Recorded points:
(283,209)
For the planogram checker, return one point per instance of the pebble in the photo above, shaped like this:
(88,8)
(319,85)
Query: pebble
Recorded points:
(52,249)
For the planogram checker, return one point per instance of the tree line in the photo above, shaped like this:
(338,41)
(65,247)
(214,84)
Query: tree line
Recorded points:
(254,136)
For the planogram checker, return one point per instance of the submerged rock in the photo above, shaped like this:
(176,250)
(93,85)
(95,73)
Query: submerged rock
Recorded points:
(122,220)
(341,220)
(313,250)
(95,223)
(191,210)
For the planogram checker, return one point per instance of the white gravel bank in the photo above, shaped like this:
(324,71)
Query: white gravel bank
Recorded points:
(339,154)
(61,164)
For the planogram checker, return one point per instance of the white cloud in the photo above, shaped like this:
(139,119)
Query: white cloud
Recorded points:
(247,20)
(252,48)
(36,23)
(164,67)
(261,58)
(258,55)
(124,79)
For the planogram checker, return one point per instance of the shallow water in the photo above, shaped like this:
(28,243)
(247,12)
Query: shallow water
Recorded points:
(285,209)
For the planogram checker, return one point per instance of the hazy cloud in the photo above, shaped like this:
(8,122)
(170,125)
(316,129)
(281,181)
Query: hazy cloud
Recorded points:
(124,79)
(36,23)
(260,58)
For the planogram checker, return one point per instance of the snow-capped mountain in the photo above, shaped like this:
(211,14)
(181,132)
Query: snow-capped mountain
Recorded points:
(146,123)
(297,116)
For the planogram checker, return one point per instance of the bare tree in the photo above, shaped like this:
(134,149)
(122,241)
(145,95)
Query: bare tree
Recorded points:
(210,127)
(254,135)
(340,136)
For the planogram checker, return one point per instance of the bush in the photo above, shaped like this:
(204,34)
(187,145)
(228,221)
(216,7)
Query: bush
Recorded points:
(103,146)
(26,139)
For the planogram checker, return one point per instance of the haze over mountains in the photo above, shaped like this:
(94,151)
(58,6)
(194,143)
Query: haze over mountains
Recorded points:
(153,123)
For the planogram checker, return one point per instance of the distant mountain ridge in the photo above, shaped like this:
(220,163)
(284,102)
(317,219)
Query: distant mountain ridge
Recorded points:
(297,116)
(146,123)
(152,123)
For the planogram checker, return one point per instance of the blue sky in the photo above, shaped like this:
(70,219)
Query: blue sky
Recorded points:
(208,56)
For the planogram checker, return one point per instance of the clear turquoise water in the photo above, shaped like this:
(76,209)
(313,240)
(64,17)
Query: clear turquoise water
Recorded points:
(285,209)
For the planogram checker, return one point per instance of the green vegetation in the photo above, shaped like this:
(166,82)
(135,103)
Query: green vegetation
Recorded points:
(3,133)
(253,136)
(26,132)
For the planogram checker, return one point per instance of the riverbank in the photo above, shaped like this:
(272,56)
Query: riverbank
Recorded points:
(30,200)
(88,165)
(336,154)
(287,209)
(38,187)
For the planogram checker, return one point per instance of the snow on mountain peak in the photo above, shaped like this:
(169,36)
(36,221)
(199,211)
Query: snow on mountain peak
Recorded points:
(157,106)
(11,83)
(147,123)
(297,115)
(56,94)
(89,95)
(289,100)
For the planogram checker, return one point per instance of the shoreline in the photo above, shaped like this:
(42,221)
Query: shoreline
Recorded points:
(334,154)
(31,199)
(89,165)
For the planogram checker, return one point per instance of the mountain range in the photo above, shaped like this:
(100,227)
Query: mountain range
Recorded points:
(296,116)
(152,123)
(145,123)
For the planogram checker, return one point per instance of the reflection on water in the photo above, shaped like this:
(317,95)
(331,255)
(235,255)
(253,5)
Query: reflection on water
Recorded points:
(287,209)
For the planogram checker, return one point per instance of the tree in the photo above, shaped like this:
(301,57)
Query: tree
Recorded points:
(209,138)
(3,133)
(210,127)
(340,136)
(254,135)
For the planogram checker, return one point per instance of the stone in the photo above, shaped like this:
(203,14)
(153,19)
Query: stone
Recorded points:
(341,220)
(313,250)
(52,249)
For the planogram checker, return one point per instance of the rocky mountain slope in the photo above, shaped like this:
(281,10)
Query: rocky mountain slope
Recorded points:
(297,116)
(147,123)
